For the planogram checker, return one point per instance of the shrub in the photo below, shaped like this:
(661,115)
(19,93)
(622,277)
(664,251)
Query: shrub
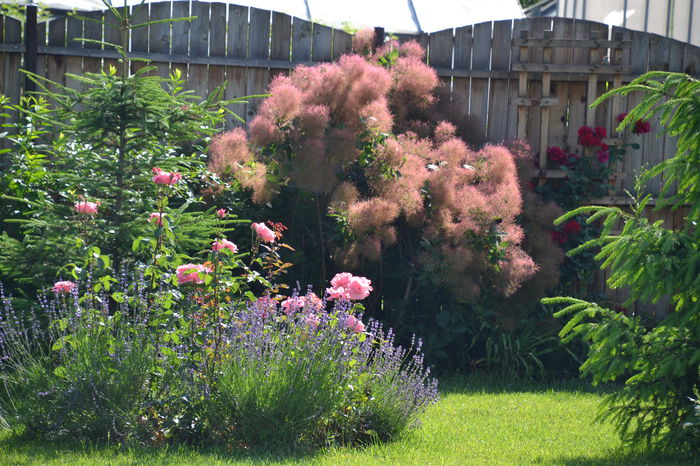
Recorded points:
(658,363)
(356,156)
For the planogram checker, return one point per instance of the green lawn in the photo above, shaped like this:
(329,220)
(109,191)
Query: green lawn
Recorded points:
(477,421)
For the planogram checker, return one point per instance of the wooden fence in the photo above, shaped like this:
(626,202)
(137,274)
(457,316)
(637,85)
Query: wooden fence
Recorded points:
(531,78)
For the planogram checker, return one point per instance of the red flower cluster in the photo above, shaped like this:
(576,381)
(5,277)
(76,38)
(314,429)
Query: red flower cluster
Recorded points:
(561,156)
(642,127)
(621,117)
(572,227)
(589,137)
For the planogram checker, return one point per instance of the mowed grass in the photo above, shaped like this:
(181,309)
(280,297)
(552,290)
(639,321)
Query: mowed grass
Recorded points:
(477,421)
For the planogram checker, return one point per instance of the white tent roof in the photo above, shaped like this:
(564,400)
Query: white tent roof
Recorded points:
(399,16)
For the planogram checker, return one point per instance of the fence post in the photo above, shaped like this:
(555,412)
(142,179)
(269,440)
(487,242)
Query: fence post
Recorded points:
(378,37)
(30,46)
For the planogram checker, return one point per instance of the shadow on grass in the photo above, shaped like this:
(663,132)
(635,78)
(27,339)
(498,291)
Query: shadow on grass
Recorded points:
(622,457)
(492,384)
(39,451)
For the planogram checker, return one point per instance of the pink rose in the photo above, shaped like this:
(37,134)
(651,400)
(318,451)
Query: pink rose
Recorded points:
(157,218)
(336,293)
(224,244)
(354,324)
(63,287)
(603,156)
(221,213)
(341,280)
(167,178)
(85,207)
(264,233)
(358,288)
(189,273)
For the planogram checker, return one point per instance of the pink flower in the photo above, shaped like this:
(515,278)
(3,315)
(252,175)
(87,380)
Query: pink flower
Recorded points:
(359,288)
(157,218)
(603,156)
(190,273)
(348,286)
(221,213)
(224,244)
(354,324)
(641,127)
(621,117)
(64,287)
(292,305)
(85,207)
(167,178)
(336,293)
(264,233)
(312,321)
(341,280)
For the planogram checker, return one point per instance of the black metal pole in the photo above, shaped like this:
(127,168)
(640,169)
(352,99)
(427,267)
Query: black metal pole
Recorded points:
(30,46)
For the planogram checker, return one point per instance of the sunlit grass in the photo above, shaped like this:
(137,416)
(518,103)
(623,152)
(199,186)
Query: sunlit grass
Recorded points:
(477,421)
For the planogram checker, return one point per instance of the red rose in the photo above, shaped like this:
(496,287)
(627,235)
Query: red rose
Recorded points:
(572,227)
(641,127)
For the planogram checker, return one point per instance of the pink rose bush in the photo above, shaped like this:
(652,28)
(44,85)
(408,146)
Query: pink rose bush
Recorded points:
(309,303)
(190,273)
(165,178)
(63,287)
(85,207)
(349,287)
(264,233)
(354,324)
(221,213)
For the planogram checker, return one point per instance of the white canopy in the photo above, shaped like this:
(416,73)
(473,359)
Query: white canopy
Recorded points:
(399,16)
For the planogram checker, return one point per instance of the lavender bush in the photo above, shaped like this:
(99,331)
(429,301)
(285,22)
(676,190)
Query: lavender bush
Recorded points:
(277,373)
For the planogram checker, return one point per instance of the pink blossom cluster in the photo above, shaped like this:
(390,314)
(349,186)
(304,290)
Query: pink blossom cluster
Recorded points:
(63,287)
(85,207)
(223,243)
(310,302)
(264,233)
(190,273)
(347,286)
(165,178)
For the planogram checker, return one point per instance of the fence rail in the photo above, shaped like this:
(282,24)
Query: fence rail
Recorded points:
(532,78)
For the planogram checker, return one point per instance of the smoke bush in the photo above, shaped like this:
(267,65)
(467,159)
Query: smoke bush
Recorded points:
(339,132)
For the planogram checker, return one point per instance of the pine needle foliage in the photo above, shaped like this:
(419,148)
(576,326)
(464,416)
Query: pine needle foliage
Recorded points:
(658,363)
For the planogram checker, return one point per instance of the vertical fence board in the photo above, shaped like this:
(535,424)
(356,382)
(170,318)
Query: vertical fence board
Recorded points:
(536,55)
(258,78)
(342,43)
(497,128)
(321,45)
(236,47)
(198,77)
(462,61)
(180,35)
(111,35)
(74,64)
(92,31)
(301,40)
(217,44)
(481,54)
(280,44)
(440,53)
(159,36)
(139,35)
(56,64)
